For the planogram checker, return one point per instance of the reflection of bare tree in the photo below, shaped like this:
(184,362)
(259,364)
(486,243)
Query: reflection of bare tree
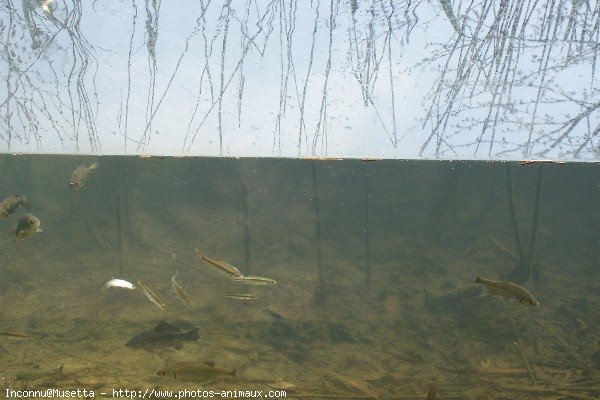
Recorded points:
(513,58)
(152,16)
(35,100)
(129,75)
(501,72)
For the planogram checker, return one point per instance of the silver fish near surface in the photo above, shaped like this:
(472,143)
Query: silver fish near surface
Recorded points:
(152,296)
(28,225)
(163,335)
(509,290)
(117,283)
(81,174)
(10,204)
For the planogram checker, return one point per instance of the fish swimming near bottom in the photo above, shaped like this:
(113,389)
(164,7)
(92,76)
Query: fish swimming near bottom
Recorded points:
(28,225)
(195,371)
(509,290)
(17,335)
(162,336)
(35,374)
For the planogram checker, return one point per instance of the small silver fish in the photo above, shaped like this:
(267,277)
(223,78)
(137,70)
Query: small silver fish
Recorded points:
(81,174)
(152,296)
(10,204)
(28,225)
(240,296)
(180,292)
(256,280)
(118,283)
(223,267)
(507,290)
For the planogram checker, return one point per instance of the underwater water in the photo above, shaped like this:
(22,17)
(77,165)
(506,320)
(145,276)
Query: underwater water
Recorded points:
(374,263)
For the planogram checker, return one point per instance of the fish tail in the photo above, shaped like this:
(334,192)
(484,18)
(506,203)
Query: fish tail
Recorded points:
(93,168)
(16,235)
(25,203)
(194,334)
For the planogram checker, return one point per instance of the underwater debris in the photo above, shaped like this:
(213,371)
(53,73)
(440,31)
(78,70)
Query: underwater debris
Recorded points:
(163,335)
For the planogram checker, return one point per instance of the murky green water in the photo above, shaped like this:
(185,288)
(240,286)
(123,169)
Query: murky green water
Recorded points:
(386,312)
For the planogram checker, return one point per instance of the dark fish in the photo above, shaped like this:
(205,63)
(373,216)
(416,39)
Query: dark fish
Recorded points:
(28,225)
(194,371)
(163,335)
(10,204)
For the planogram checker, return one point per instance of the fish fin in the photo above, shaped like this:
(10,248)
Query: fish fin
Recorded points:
(165,326)
(92,169)
(477,280)
(193,334)
(39,230)
(16,235)
(148,347)
(209,363)
(59,371)
(179,346)
(25,203)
